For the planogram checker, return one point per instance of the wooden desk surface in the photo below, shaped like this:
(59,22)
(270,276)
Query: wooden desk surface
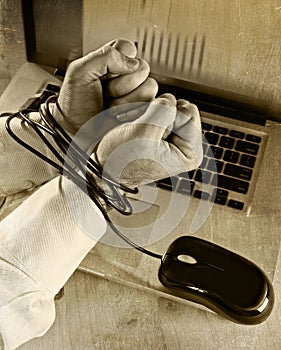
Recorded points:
(99,314)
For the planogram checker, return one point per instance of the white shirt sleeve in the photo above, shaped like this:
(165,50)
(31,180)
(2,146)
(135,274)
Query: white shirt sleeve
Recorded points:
(42,242)
(20,169)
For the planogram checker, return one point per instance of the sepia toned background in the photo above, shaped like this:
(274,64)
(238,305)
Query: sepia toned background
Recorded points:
(96,313)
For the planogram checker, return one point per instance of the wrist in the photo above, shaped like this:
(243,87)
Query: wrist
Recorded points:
(61,120)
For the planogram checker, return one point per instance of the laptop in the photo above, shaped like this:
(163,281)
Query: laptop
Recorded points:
(233,199)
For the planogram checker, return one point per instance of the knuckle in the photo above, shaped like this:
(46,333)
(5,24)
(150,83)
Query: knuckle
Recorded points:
(106,50)
(194,108)
(148,90)
(75,65)
(106,54)
(167,99)
(75,72)
(161,101)
(126,47)
(143,67)
(152,86)
(183,104)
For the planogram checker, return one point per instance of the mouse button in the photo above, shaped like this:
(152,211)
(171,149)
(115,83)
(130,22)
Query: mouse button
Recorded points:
(200,274)
(179,244)
(245,286)
(178,272)
(186,245)
(236,280)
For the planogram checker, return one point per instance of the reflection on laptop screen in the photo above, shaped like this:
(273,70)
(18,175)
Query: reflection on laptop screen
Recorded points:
(53,31)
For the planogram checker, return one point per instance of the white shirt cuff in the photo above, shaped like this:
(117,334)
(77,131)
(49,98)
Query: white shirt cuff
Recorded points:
(42,243)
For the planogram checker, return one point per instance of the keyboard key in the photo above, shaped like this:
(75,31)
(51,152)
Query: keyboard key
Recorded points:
(253,138)
(167,183)
(203,176)
(221,192)
(227,142)
(229,183)
(219,199)
(212,138)
(220,130)
(247,160)
(247,147)
(237,134)
(33,103)
(238,171)
(231,156)
(53,88)
(45,95)
(185,175)
(201,195)
(215,152)
(206,126)
(235,204)
(185,186)
(215,165)
(191,174)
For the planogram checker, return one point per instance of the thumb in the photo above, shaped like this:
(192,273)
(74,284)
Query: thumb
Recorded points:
(106,60)
(125,46)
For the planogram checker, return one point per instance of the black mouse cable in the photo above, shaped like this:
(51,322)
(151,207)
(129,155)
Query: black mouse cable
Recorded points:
(72,150)
(77,156)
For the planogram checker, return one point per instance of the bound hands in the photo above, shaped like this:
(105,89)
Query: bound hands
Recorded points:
(143,138)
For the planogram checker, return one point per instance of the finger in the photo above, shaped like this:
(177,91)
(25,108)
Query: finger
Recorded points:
(109,119)
(187,133)
(132,114)
(172,159)
(146,92)
(171,98)
(186,112)
(141,159)
(124,84)
(127,112)
(157,121)
(187,120)
(126,47)
(183,116)
(152,125)
(190,111)
(161,112)
(101,62)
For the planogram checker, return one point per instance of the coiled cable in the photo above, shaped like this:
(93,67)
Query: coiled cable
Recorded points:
(85,170)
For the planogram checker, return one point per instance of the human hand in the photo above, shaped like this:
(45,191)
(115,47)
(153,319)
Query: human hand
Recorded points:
(164,141)
(111,72)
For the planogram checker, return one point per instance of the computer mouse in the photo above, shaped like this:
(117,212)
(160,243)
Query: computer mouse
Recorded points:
(217,278)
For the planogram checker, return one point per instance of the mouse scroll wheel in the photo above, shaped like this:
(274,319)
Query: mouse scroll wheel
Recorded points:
(187,259)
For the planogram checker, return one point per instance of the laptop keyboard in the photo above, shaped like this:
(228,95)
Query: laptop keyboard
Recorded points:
(228,163)
(228,167)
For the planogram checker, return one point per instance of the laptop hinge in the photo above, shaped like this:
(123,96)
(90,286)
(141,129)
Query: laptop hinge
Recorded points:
(216,104)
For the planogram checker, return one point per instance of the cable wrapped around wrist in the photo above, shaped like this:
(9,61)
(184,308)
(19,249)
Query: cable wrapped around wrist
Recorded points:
(86,170)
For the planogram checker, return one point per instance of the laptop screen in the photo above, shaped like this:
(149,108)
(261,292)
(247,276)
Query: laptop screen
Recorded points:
(53,31)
